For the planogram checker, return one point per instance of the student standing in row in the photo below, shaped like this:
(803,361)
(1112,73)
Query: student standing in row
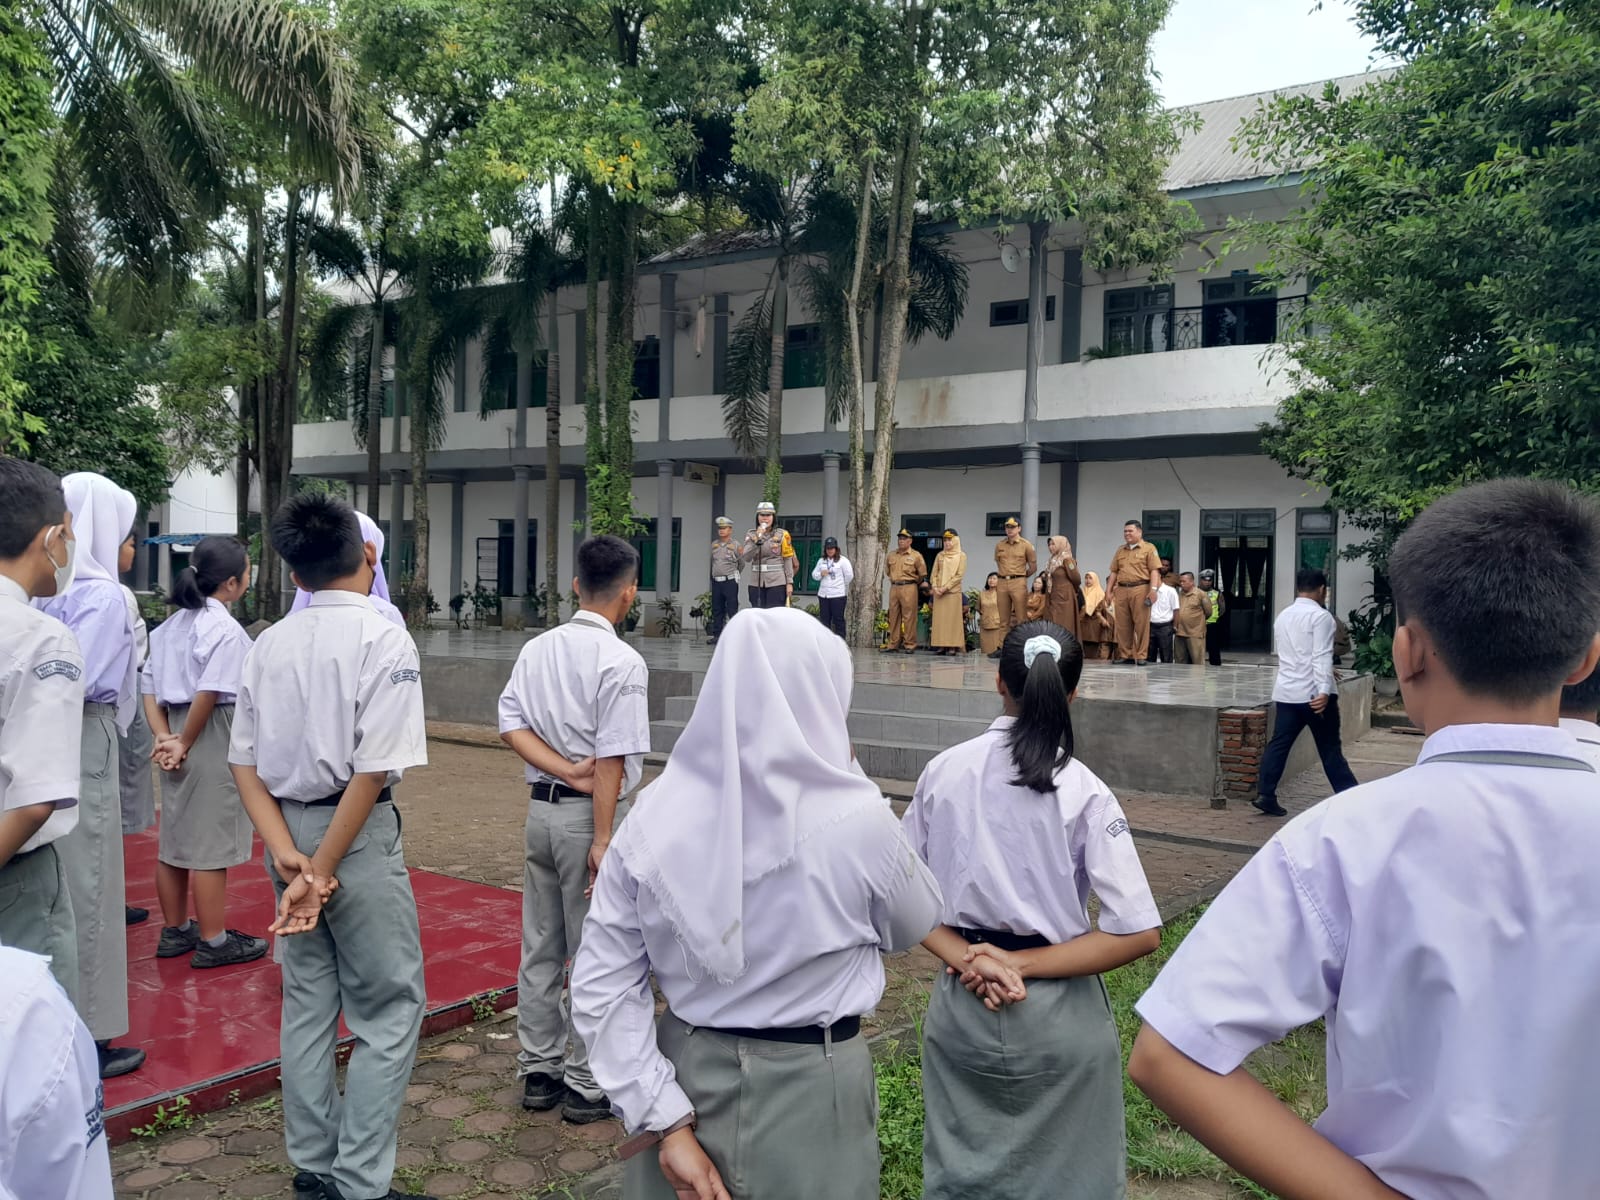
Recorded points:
(135,747)
(991,632)
(1096,630)
(725,567)
(760,879)
(1033,610)
(833,574)
(371,535)
(576,709)
(41,718)
(948,627)
(190,684)
(329,717)
(1441,919)
(1017,832)
(94,609)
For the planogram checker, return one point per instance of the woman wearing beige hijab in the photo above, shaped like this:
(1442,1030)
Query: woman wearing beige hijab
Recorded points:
(1094,623)
(949,633)
(1061,581)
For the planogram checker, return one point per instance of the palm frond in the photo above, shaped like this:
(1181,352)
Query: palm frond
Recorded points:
(822,284)
(938,286)
(749,364)
(336,249)
(336,340)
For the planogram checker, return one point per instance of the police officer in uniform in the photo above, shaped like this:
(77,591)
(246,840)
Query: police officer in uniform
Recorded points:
(768,550)
(725,568)
(1208,585)
(1134,581)
(906,570)
(1014,561)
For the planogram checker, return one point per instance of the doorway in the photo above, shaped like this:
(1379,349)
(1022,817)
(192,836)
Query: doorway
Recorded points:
(1238,545)
(927,534)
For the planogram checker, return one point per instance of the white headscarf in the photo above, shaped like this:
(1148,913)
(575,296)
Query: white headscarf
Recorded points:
(380,584)
(102,518)
(763,764)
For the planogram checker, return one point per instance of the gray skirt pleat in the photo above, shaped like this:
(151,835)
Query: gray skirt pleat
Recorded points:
(204,826)
(1025,1103)
(136,776)
(780,1122)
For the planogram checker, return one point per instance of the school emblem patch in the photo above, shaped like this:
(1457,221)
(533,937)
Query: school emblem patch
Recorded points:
(1117,828)
(58,666)
(405,675)
(94,1119)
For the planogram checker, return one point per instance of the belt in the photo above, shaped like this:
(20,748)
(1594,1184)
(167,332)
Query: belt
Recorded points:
(1135,583)
(552,792)
(1006,940)
(1013,577)
(98,708)
(902,583)
(724,579)
(841,1030)
(384,797)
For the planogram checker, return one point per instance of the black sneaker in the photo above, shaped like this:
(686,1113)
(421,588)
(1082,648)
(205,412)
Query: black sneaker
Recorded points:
(118,1060)
(580,1110)
(238,948)
(1270,808)
(137,916)
(541,1093)
(309,1187)
(175,941)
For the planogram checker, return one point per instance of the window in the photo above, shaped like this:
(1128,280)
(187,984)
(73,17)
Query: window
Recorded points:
(1161,531)
(647,372)
(806,534)
(505,557)
(1138,320)
(500,386)
(1314,530)
(927,533)
(994,525)
(645,543)
(1015,312)
(1241,311)
(803,361)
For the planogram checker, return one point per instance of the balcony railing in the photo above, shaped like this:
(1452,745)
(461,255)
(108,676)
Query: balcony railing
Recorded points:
(1254,322)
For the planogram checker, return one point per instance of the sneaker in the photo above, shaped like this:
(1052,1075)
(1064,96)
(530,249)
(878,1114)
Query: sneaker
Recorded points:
(175,941)
(238,948)
(309,1187)
(580,1110)
(541,1093)
(118,1060)
(1269,807)
(137,916)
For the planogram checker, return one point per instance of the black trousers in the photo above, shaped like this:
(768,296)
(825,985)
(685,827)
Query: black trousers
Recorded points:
(1214,644)
(769,597)
(724,603)
(1161,641)
(833,612)
(1292,718)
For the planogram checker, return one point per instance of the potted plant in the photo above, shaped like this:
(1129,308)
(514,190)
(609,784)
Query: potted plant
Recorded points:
(631,621)
(1372,635)
(669,623)
(485,606)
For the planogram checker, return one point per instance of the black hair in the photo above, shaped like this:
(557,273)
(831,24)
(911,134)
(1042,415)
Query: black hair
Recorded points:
(989,576)
(1583,697)
(319,537)
(212,563)
(31,499)
(1516,556)
(1041,738)
(1139,525)
(1185,574)
(606,565)
(1309,579)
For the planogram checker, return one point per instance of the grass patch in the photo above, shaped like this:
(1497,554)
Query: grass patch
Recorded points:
(1292,1069)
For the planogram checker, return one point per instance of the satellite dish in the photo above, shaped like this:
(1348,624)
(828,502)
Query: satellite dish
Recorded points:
(1010,257)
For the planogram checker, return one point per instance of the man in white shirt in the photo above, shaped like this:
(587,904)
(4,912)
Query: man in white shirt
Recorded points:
(1305,692)
(1163,610)
(576,709)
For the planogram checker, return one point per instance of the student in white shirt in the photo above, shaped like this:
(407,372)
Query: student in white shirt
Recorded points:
(576,709)
(41,709)
(1025,1102)
(1442,920)
(1163,611)
(371,535)
(758,880)
(1580,715)
(834,574)
(328,719)
(1305,692)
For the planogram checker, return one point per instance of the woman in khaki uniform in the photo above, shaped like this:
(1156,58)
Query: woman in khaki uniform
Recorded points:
(991,630)
(1061,581)
(949,631)
(1037,600)
(1094,624)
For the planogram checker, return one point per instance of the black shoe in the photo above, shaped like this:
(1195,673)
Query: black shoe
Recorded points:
(996,654)
(541,1093)
(1270,808)
(175,941)
(137,916)
(118,1060)
(579,1110)
(309,1187)
(237,948)
(330,1191)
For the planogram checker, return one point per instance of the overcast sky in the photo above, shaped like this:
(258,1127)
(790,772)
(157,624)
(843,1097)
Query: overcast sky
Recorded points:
(1215,48)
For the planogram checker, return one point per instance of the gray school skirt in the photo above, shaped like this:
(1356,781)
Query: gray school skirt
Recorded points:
(137,776)
(203,823)
(1025,1103)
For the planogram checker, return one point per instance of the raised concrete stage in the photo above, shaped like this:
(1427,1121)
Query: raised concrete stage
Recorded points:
(1195,731)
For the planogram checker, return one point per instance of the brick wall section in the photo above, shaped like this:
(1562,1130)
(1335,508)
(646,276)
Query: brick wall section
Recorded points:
(1241,737)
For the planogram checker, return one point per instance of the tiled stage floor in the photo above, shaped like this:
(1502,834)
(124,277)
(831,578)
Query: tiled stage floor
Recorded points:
(211,1033)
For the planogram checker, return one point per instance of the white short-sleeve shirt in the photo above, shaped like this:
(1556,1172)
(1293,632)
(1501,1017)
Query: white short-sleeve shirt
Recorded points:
(1446,922)
(1009,858)
(41,713)
(195,650)
(1588,735)
(330,693)
(585,692)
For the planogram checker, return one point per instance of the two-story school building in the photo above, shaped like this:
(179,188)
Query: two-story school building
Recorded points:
(1147,402)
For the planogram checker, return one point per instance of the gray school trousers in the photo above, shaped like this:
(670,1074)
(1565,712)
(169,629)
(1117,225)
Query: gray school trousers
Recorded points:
(36,913)
(363,959)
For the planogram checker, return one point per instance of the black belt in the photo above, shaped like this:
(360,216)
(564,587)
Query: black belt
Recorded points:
(903,583)
(1004,939)
(841,1030)
(1013,577)
(1135,583)
(552,792)
(384,797)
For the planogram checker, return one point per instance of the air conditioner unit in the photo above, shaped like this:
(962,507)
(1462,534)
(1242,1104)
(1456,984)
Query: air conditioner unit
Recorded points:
(701,473)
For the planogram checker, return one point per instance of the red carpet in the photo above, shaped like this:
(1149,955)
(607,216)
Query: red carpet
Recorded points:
(210,1034)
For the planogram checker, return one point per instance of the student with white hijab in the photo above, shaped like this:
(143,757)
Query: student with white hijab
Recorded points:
(372,536)
(759,879)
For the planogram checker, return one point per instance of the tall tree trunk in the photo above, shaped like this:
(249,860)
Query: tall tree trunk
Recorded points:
(616,514)
(594,438)
(772,486)
(868,552)
(289,355)
(266,428)
(375,409)
(552,463)
(418,593)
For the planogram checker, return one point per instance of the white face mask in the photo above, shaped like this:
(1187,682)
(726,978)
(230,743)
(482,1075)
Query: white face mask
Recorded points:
(65,572)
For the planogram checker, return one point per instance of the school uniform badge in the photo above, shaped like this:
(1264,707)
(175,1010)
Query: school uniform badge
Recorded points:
(58,666)
(1117,828)
(405,675)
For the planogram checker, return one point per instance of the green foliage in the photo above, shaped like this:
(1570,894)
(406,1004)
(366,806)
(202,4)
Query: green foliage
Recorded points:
(416,601)
(900,1118)
(1453,230)
(167,1118)
(671,622)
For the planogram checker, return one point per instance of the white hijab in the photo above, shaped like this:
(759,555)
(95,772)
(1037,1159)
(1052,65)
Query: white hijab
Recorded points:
(380,584)
(102,518)
(763,764)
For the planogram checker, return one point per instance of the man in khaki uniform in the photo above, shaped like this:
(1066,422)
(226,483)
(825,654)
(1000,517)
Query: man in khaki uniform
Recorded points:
(906,570)
(1014,561)
(1134,577)
(1189,626)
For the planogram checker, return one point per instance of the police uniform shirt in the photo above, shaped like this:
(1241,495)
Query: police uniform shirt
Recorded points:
(1443,921)
(333,692)
(1008,858)
(725,561)
(195,650)
(41,714)
(52,1134)
(585,692)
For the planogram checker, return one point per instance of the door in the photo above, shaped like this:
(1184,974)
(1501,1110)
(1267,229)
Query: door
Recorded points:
(1238,545)
(506,558)
(927,534)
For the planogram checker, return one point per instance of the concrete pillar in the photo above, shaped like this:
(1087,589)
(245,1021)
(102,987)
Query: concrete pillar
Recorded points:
(719,343)
(1035,347)
(830,496)
(519,525)
(1030,494)
(668,334)
(458,491)
(397,524)
(664,467)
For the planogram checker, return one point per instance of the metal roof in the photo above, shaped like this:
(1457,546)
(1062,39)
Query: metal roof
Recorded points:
(1207,154)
